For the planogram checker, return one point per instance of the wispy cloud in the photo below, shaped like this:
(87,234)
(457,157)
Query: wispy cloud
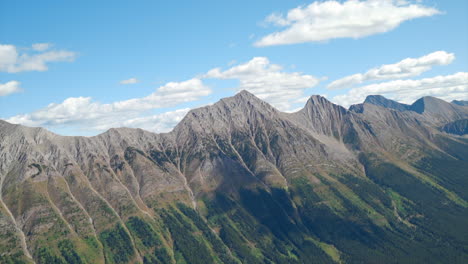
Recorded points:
(409,67)
(447,87)
(9,88)
(13,61)
(129,81)
(83,112)
(41,46)
(325,20)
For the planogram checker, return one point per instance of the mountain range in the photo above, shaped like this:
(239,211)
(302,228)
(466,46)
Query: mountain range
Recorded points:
(241,182)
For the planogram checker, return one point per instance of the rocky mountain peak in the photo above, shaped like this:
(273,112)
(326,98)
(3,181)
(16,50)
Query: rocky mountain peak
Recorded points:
(245,95)
(384,102)
(245,99)
(319,106)
(318,100)
(429,104)
(235,112)
(439,111)
(321,116)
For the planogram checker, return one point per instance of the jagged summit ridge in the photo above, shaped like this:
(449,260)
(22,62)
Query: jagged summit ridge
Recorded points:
(321,116)
(384,102)
(429,109)
(226,114)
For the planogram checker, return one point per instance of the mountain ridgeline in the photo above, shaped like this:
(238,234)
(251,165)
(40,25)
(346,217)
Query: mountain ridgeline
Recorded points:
(241,182)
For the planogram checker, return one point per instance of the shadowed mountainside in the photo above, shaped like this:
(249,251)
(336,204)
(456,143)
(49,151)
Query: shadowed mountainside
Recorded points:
(460,102)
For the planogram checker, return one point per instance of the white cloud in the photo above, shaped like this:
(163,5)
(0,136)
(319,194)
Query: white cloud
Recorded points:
(267,81)
(85,113)
(130,81)
(41,46)
(447,87)
(12,61)
(325,20)
(171,94)
(161,123)
(403,69)
(9,88)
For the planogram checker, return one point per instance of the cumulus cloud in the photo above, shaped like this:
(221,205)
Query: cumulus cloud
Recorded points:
(403,69)
(9,88)
(447,87)
(267,81)
(12,61)
(129,81)
(171,94)
(325,20)
(86,113)
(161,123)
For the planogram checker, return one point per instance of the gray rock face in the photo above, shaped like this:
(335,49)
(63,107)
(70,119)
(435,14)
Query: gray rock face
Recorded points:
(90,183)
(387,103)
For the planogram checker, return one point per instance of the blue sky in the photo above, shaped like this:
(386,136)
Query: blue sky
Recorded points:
(186,54)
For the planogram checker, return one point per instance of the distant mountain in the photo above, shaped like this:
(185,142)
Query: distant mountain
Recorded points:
(434,110)
(460,102)
(438,109)
(241,182)
(384,102)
